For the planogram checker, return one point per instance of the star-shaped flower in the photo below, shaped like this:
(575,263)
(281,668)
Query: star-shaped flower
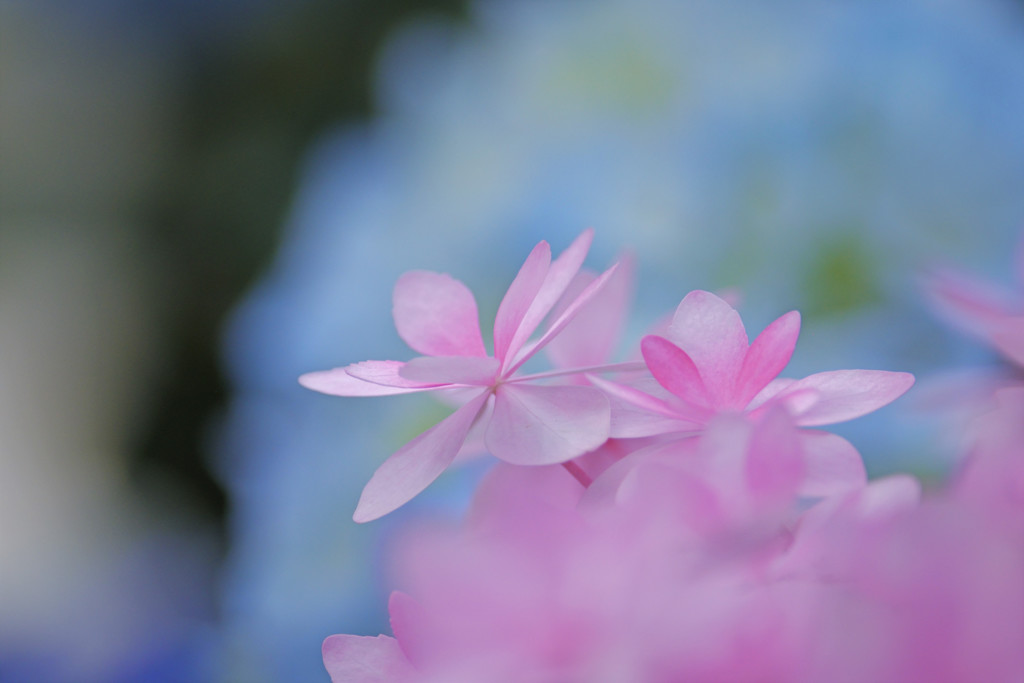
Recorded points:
(530,424)
(706,367)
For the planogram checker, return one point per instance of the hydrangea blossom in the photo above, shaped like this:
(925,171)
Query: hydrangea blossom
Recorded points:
(706,367)
(700,557)
(529,424)
(709,367)
(711,572)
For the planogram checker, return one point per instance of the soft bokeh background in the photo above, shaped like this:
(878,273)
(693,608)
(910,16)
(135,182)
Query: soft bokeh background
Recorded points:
(200,201)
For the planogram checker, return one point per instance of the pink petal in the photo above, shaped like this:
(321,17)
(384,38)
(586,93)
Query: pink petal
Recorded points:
(721,455)
(773,389)
(565,318)
(387,373)
(436,315)
(827,521)
(636,413)
(563,270)
(416,464)
(847,394)
(889,496)
(365,659)
(674,370)
(451,370)
(766,358)
(591,337)
(518,299)
(969,303)
(655,488)
(406,616)
(641,399)
(509,489)
(629,422)
(712,334)
(775,464)
(659,483)
(878,500)
(545,425)
(796,402)
(607,488)
(369,378)
(834,466)
(1008,337)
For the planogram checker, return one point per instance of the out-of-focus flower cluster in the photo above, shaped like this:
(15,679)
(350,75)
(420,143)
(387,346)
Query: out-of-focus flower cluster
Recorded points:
(677,523)
(811,156)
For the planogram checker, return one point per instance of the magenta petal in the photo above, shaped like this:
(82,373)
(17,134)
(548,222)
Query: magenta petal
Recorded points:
(416,464)
(833,465)
(365,659)
(766,358)
(674,370)
(518,299)
(847,394)
(451,370)
(545,425)
(436,315)
(712,334)
(369,378)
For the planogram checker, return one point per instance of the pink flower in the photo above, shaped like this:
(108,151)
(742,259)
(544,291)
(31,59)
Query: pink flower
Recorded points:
(928,593)
(706,367)
(527,424)
(738,475)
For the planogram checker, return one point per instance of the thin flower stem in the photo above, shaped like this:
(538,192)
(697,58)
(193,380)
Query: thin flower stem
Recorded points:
(578,474)
(614,367)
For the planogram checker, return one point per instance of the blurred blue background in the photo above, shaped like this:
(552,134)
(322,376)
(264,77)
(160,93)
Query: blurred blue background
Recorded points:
(201,201)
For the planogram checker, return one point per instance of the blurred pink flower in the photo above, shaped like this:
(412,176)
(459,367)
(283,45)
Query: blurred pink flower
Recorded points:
(983,309)
(992,474)
(929,593)
(737,475)
(638,582)
(714,536)
(536,588)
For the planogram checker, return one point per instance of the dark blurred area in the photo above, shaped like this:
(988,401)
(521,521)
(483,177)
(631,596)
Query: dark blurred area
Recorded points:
(252,103)
(148,151)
